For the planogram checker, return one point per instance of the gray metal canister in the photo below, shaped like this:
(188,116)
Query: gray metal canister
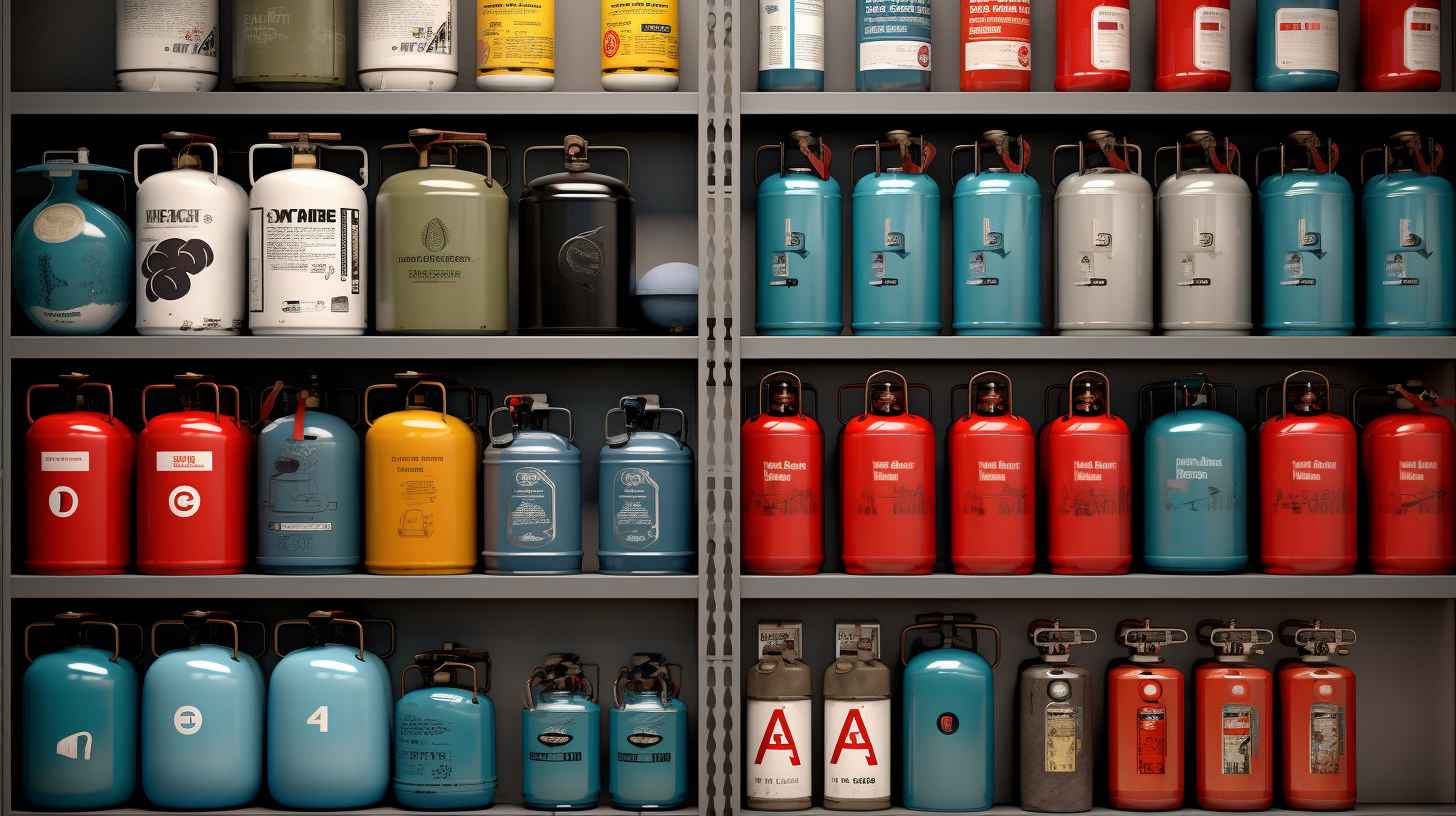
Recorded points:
(779,740)
(857,732)
(1056,729)
(290,45)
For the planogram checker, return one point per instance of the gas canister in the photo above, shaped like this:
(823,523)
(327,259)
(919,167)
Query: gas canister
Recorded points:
(645,492)
(532,491)
(1094,45)
(301,45)
(515,45)
(992,454)
(1086,474)
(640,43)
(892,45)
(561,736)
(996,264)
(1298,45)
(1145,721)
(1194,45)
(1400,45)
(407,45)
(1056,721)
(857,746)
(1316,718)
(895,288)
(997,46)
(783,481)
(779,735)
(791,45)
(444,732)
(1409,212)
(1233,719)
(649,732)
(170,45)
(800,287)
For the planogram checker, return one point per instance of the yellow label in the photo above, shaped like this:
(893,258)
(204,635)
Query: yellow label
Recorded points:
(640,35)
(516,36)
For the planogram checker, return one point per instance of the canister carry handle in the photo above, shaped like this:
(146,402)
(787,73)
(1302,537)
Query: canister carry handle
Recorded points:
(194,619)
(804,391)
(1428,166)
(81,620)
(819,163)
(970,388)
(423,141)
(652,405)
(310,143)
(541,673)
(422,380)
(188,382)
(71,380)
(448,664)
(1114,161)
(1317,160)
(1021,164)
(1052,635)
(81,164)
(1220,633)
(322,623)
(1148,409)
(1232,163)
(1140,635)
(908,386)
(586,150)
(1426,402)
(1071,385)
(668,689)
(177,143)
(939,625)
(505,439)
(1316,638)
(903,143)
(1284,391)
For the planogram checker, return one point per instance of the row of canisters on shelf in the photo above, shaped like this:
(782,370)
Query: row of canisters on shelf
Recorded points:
(402,45)
(325,718)
(198,476)
(1104,282)
(947,739)
(1298,45)
(1080,473)
(291,256)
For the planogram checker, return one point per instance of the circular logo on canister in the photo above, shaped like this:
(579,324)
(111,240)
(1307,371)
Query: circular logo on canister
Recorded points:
(948,723)
(184,501)
(581,257)
(187,720)
(553,738)
(924,56)
(644,740)
(611,43)
(59,223)
(63,502)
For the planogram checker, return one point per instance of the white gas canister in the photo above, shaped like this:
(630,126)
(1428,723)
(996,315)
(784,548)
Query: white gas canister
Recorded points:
(407,45)
(857,731)
(779,741)
(166,45)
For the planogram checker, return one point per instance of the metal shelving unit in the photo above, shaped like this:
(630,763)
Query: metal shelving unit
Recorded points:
(942,586)
(1099,348)
(586,587)
(508,347)
(224,103)
(1142,104)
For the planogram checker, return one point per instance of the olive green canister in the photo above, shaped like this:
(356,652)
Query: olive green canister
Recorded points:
(290,45)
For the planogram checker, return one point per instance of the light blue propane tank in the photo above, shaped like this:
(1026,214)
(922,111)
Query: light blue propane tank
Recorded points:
(896,276)
(1309,241)
(309,499)
(78,718)
(1410,273)
(202,718)
(1195,466)
(444,733)
(73,258)
(892,45)
(330,712)
(1297,48)
(645,493)
(561,737)
(948,717)
(649,737)
(996,267)
(800,241)
(532,492)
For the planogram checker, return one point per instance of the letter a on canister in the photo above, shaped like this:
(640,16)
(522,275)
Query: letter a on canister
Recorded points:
(780,737)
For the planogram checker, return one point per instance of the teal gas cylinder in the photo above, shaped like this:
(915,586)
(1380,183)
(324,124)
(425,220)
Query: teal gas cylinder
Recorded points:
(645,492)
(1410,273)
(1298,45)
(895,288)
(892,45)
(444,732)
(996,265)
(561,737)
(532,491)
(648,723)
(800,241)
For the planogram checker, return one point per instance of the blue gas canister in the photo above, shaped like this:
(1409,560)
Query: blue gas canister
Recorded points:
(73,258)
(1195,466)
(202,716)
(645,492)
(329,717)
(896,283)
(892,45)
(1309,240)
(1298,45)
(78,716)
(561,740)
(948,719)
(800,242)
(532,491)
(444,732)
(648,724)
(1410,272)
(308,487)
(791,45)
(996,266)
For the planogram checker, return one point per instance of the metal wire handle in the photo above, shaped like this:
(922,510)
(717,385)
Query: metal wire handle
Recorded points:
(136,156)
(210,620)
(1284,393)
(318,619)
(937,625)
(313,147)
(448,664)
(971,391)
(586,154)
(110,397)
(80,623)
(216,396)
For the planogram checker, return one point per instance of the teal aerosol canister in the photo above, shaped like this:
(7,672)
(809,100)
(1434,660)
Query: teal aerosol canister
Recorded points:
(442,239)
(532,490)
(648,724)
(892,45)
(645,491)
(561,736)
(1410,271)
(290,45)
(895,289)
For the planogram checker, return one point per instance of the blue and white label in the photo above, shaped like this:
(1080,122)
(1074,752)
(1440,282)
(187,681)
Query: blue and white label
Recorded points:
(895,36)
(531,512)
(791,35)
(636,508)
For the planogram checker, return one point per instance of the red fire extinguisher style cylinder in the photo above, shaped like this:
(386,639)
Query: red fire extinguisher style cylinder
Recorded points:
(887,482)
(1145,721)
(1317,718)
(192,483)
(1233,710)
(783,482)
(1406,459)
(992,454)
(1307,483)
(1400,45)
(1086,472)
(1194,45)
(996,46)
(78,481)
(1094,45)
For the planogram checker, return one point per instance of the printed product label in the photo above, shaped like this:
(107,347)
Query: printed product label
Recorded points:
(414,34)
(1307,39)
(177,261)
(999,488)
(1196,484)
(1422,39)
(791,35)
(1211,39)
(1238,728)
(857,749)
(848,636)
(554,739)
(998,37)
(894,36)
(779,636)
(896,487)
(531,508)
(644,738)
(1111,38)
(636,508)
(1326,738)
(780,742)
(1152,740)
(59,223)
(184,461)
(640,34)
(304,260)
(894,55)
(518,34)
(171,34)
(783,489)
(1063,737)
(65,461)
(417,480)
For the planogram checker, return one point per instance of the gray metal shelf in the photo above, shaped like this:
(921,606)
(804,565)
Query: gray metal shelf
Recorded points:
(595,587)
(494,810)
(1004,810)
(358,103)
(1246,586)
(1099,348)
(371,347)
(1098,104)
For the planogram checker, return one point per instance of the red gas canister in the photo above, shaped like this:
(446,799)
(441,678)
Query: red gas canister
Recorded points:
(1094,45)
(887,482)
(1317,718)
(783,482)
(1086,471)
(1406,459)
(1194,44)
(192,484)
(1145,721)
(1233,710)
(1400,45)
(996,39)
(992,454)
(78,480)
(1307,483)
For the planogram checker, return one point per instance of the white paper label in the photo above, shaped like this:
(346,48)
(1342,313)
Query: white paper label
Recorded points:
(1211,39)
(406,34)
(175,34)
(65,461)
(1422,39)
(1111,38)
(997,55)
(59,223)
(857,749)
(894,55)
(791,35)
(188,461)
(781,750)
(1307,39)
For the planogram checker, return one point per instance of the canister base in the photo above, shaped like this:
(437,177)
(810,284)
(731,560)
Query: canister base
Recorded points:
(400,80)
(677,563)
(770,568)
(560,805)
(779,805)
(1104,332)
(1233,804)
(145,569)
(640,81)
(285,85)
(1310,568)
(1412,566)
(1244,332)
(856,804)
(149,332)
(1410,332)
(801,331)
(1311,332)
(625,805)
(163,80)
(906,332)
(482,796)
(443,332)
(34,568)
(1310,803)
(555,563)
(1195,565)
(374,570)
(345,569)
(292,332)
(791,80)
(515,82)
(998,332)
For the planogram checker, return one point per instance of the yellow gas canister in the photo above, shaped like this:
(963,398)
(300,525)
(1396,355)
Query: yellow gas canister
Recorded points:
(419,482)
(640,45)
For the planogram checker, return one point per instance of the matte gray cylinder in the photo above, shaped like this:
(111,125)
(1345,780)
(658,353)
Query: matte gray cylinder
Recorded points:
(1056,732)
(1104,254)
(1205,221)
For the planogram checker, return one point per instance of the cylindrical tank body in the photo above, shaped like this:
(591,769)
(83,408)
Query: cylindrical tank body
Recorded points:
(1309,247)
(1233,721)
(407,45)
(170,45)
(996,264)
(515,45)
(645,494)
(1407,459)
(1317,719)
(948,719)
(1205,220)
(896,266)
(532,493)
(79,469)
(1086,472)
(1409,214)
(561,738)
(996,39)
(782,482)
(857,747)
(800,244)
(1400,45)
(1055,740)
(1298,45)
(791,45)
(992,454)
(1194,45)
(1094,45)
(290,45)
(892,45)
(640,45)
(887,480)
(648,724)
(1145,722)
(778,737)
(444,733)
